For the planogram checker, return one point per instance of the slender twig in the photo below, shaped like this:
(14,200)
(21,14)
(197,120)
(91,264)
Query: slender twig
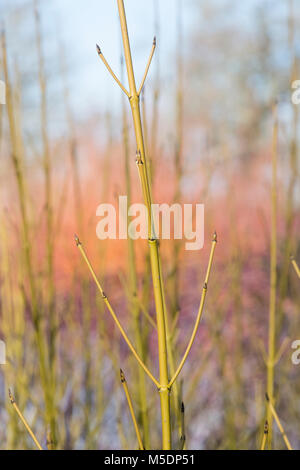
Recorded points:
(276,417)
(204,290)
(295,265)
(12,400)
(111,311)
(111,71)
(148,66)
(138,435)
(265,436)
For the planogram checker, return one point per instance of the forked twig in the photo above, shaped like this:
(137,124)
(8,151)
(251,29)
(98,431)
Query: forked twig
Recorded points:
(148,66)
(265,436)
(112,312)
(137,431)
(276,417)
(111,71)
(12,400)
(204,290)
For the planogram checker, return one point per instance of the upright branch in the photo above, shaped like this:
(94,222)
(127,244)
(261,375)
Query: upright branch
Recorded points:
(164,383)
(129,401)
(152,240)
(15,406)
(280,427)
(135,305)
(112,312)
(148,66)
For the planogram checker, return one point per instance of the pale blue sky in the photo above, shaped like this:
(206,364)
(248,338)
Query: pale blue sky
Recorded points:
(83,23)
(87,22)
(80,24)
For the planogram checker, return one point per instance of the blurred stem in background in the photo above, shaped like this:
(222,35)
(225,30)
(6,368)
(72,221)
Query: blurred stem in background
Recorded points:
(273,281)
(289,245)
(50,236)
(37,317)
(13,298)
(155,100)
(13,328)
(174,276)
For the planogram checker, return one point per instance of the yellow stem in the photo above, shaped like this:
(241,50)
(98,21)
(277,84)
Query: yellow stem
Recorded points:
(111,311)
(276,417)
(153,243)
(138,435)
(265,436)
(296,267)
(133,291)
(111,71)
(182,428)
(148,66)
(273,281)
(12,400)
(204,290)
